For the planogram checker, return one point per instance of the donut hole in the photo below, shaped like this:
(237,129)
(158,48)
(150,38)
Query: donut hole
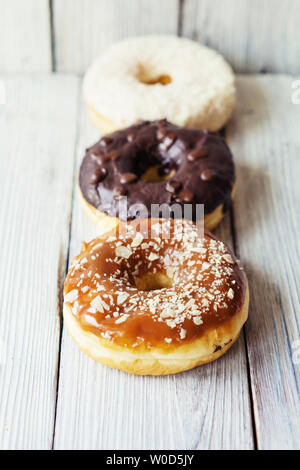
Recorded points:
(153,281)
(157,173)
(163,79)
(149,76)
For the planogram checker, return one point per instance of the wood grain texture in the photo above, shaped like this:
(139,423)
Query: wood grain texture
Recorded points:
(264,136)
(82,32)
(25,39)
(101,408)
(37,132)
(254,35)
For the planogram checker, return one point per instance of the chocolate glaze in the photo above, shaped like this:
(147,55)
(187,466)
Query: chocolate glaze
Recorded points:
(113,167)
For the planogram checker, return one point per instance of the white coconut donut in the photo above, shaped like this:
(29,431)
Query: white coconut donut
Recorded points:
(155,77)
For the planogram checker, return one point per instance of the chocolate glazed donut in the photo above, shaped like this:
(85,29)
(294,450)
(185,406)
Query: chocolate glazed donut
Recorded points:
(193,166)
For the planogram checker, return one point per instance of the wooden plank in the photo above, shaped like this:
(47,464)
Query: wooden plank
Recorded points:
(37,132)
(25,36)
(82,32)
(254,35)
(264,136)
(100,408)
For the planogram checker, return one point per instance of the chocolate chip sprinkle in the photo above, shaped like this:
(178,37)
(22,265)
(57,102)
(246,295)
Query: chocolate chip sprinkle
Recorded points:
(207,175)
(98,176)
(185,196)
(173,186)
(95,156)
(127,178)
(130,137)
(168,141)
(114,154)
(105,141)
(161,133)
(103,173)
(196,154)
(93,178)
(119,191)
(102,159)
(162,122)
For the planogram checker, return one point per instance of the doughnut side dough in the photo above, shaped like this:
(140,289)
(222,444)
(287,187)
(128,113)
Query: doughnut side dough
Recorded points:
(122,86)
(105,223)
(210,347)
(104,125)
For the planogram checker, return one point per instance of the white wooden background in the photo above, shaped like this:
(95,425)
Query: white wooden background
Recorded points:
(52,395)
(65,35)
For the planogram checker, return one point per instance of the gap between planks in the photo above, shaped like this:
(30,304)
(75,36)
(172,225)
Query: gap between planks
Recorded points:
(52,36)
(36,184)
(66,263)
(244,333)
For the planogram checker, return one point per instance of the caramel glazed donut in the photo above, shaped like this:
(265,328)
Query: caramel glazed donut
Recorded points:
(152,77)
(155,303)
(155,163)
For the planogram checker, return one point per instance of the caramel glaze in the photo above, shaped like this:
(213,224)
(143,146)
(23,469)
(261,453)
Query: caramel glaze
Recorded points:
(200,163)
(208,285)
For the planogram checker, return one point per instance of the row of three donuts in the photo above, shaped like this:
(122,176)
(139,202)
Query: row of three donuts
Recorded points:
(111,308)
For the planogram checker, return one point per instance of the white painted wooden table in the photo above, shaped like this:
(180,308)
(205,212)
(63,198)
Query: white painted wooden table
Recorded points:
(51,394)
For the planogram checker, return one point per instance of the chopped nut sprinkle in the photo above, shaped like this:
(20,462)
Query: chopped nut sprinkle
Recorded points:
(153,257)
(122,318)
(137,240)
(123,252)
(71,296)
(230,293)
